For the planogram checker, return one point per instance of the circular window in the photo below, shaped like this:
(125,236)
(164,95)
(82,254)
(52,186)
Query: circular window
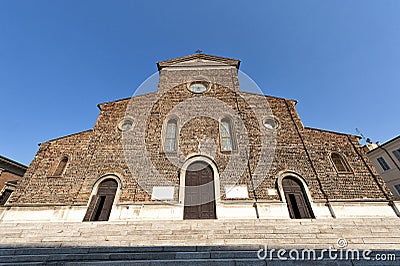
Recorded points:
(271,123)
(125,124)
(197,87)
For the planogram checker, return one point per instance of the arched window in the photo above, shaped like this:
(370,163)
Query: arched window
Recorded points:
(340,163)
(170,137)
(61,166)
(226,135)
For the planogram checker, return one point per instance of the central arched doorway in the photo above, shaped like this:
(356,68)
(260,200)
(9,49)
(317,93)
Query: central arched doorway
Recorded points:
(199,202)
(101,204)
(296,199)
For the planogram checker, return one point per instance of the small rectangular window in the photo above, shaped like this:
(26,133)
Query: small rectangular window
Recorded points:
(397,154)
(383,164)
(397,187)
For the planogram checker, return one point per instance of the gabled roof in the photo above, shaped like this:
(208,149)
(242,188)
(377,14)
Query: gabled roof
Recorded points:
(12,166)
(12,162)
(390,141)
(228,61)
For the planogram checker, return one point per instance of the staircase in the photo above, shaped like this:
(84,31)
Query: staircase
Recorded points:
(188,242)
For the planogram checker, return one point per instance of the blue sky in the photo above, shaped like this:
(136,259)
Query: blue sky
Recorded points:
(59,59)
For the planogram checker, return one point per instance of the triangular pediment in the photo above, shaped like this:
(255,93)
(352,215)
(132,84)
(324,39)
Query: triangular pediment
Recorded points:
(198,59)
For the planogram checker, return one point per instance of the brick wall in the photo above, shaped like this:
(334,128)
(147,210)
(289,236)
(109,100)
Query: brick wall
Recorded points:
(138,159)
(97,152)
(7,176)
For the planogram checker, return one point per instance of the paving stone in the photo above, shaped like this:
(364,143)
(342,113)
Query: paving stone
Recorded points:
(192,255)
(381,240)
(173,237)
(233,254)
(180,248)
(307,263)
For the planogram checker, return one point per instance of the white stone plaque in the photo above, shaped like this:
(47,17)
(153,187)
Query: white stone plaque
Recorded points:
(271,192)
(236,192)
(163,193)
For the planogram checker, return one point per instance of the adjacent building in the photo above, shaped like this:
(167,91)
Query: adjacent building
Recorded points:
(10,173)
(386,159)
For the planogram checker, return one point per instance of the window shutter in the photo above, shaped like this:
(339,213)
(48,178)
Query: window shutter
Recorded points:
(4,197)
(397,154)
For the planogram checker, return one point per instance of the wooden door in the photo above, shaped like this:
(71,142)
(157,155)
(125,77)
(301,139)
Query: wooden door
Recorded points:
(101,204)
(4,197)
(199,192)
(296,199)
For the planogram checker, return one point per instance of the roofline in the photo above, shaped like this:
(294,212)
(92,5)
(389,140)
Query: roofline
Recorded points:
(169,62)
(389,141)
(12,162)
(312,128)
(244,92)
(124,99)
(335,132)
(66,136)
(270,96)
(119,100)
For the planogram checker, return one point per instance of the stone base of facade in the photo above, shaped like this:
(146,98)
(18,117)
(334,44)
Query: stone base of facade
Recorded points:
(224,210)
(364,209)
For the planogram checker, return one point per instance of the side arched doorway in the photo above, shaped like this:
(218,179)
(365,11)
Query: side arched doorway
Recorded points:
(199,202)
(296,199)
(100,206)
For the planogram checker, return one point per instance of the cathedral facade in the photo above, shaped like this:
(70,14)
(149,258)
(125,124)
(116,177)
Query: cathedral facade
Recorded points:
(199,147)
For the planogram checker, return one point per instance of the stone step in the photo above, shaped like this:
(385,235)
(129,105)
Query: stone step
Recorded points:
(183,225)
(54,257)
(309,233)
(143,249)
(154,234)
(370,220)
(221,262)
(198,255)
(190,262)
(188,242)
(133,255)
